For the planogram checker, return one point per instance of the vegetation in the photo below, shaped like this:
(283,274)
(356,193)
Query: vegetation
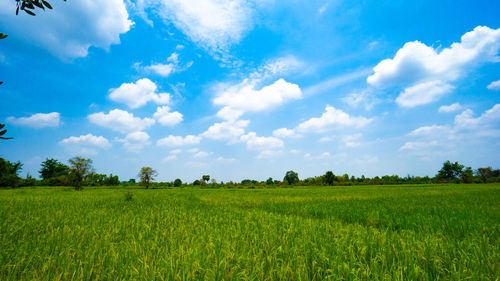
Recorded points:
(147,174)
(79,169)
(4,131)
(405,232)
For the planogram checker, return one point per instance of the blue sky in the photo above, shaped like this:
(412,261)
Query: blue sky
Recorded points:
(252,89)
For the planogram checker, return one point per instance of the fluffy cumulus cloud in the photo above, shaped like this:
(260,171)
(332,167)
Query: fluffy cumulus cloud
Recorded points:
(56,30)
(415,65)
(137,94)
(285,133)
(450,108)
(332,119)
(212,24)
(135,141)
(495,86)
(120,121)
(229,130)
(465,128)
(244,97)
(86,144)
(254,142)
(423,93)
(38,120)
(167,118)
(174,141)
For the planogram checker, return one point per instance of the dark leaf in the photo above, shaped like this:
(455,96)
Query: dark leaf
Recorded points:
(17,10)
(2,132)
(39,5)
(46,4)
(30,5)
(29,12)
(2,125)
(2,36)
(2,138)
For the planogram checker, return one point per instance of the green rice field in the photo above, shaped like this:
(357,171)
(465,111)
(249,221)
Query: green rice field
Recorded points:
(413,232)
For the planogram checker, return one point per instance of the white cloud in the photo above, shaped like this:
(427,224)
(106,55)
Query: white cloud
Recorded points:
(58,30)
(38,120)
(121,121)
(495,86)
(225,160)
(175,151)
(486,124)
(269,154)
(202,154)
(423,93)
(285,133)
(135,141)
(230,114)
(465,129)
(332,118)
(244,97)
(416,64)
(193,150)
(352,140)
(86,144)
(173,141)
(229,130)
(366,99)
(324,155)
(167,118)
(165,69)
(261,143)
(416,61)
(418,145)
(137,94)
(212,24)
(450,108)
(169,158)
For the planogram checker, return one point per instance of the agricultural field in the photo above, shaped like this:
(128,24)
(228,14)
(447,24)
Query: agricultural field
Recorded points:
(412,232)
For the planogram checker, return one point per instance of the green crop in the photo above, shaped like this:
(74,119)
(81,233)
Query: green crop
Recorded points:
(417,232)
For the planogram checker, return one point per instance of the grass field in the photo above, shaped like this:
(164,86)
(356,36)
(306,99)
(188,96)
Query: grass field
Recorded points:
(417,232)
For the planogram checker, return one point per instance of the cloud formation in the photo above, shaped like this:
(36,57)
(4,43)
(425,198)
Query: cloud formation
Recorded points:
(421,68)
(120,121)
(450,108)
(135,141)
(244,97)
(86,144)
(495,86)
(167,118)
(174,141)
(38,120)
(58,30)
(137,94)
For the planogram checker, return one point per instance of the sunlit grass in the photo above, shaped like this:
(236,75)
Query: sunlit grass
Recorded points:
(432,232)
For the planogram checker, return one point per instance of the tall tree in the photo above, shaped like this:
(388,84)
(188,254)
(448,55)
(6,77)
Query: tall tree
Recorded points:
(328,178)
(450,171)
(52,168)
(291,177)
(8,173)
(147,174)
(79,169)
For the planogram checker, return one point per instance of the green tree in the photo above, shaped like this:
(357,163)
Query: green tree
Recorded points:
(8,173)
(29,6)
(146,175)
(450,171)
(79,168)
(467,175)
(177,182)
(484,173)
(291,177)
(52,168)
(269,181)
(328,178)
(205,179)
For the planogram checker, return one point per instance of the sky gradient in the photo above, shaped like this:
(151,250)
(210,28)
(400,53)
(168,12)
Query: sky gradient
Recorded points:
(252,89)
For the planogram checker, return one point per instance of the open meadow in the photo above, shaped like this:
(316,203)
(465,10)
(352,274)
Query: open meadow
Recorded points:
(404,232)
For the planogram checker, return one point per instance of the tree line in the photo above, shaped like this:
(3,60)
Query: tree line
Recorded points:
(79,172)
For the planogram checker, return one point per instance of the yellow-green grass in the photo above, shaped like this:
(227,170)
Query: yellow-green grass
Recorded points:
(414,232)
